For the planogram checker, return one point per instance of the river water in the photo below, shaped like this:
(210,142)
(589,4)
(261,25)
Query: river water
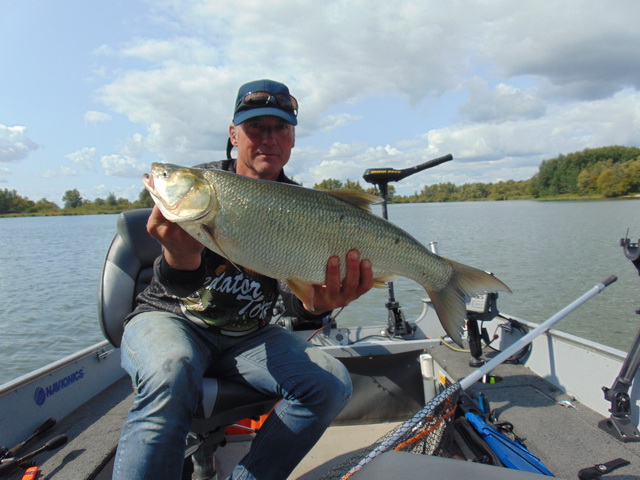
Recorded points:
(549,253)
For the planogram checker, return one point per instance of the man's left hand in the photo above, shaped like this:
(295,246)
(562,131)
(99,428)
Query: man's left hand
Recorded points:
(337,292)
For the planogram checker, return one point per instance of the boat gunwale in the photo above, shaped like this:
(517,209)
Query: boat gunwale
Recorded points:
(28,378)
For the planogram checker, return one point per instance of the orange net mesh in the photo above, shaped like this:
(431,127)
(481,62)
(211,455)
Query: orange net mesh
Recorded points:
(426,433)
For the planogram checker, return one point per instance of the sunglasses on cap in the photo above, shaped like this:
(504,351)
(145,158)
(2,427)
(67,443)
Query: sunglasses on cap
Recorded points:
(260,99)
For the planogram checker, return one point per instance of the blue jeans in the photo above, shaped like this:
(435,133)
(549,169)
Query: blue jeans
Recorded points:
(167,356)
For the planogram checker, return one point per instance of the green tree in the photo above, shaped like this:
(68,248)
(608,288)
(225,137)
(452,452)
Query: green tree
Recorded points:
(144,199)
(72,199)
(44,205)
(440,192)
(329,184)
(632,171)
(473,191)
(23,205)
(588,178)
(353,186)
(560,175)
(612,183)
(7,200)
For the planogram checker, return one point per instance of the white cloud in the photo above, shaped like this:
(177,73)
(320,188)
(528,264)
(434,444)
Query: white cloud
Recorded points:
(93,117)
(49,173)
(180,107)
(534,80)
(14,143)
(181,50)
(332,122)
(84,158)
(134,146)
(590,50)
(122,166)
(3,173)
(505,102)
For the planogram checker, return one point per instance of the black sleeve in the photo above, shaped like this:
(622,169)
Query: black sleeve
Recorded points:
(179,283)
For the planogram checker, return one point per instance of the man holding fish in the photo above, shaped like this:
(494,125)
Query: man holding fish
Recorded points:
(203,312)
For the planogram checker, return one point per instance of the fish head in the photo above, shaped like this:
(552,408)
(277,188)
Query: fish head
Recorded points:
(180,192)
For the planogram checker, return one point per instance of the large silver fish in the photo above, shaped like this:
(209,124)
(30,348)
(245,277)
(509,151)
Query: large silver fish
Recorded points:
(289,232)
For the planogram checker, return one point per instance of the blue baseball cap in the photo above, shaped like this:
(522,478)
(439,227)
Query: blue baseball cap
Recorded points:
(265,97)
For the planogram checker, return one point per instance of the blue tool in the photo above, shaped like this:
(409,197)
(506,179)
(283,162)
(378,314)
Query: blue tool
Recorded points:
(512,454)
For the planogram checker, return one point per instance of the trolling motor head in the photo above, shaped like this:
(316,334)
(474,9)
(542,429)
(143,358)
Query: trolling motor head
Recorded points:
(380,176)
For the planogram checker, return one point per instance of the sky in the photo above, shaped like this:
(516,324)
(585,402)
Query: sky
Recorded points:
(93,92)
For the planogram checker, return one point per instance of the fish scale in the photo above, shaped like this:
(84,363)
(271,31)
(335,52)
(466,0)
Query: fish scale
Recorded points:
(262,236)
(288,232)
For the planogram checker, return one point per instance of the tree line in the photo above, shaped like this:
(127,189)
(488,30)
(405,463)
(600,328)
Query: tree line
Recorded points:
(607,172)
(73,204)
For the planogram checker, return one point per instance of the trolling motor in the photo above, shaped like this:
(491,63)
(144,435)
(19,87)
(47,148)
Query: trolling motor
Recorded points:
(631,251)
(618,424)
(381,177)
(480,308)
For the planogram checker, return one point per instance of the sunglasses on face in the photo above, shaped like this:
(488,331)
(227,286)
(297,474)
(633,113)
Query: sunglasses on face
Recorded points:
(260,99)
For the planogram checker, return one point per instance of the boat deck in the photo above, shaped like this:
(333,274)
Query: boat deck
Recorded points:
(565,439)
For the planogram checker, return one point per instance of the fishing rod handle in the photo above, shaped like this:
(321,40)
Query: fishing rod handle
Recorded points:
(9,466)
(50,422)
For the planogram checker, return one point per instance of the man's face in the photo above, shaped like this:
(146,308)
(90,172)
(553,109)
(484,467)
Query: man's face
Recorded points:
(264,146)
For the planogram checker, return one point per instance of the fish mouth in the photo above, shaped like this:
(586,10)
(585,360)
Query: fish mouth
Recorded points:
(148,181)
(149,184)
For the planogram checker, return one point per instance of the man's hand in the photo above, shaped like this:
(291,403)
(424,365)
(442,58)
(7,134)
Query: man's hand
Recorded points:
(181,250)
(337,292)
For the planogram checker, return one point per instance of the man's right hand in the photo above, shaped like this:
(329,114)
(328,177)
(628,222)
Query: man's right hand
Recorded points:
(181,250)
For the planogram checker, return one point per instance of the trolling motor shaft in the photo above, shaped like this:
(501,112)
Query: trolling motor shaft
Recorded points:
(381,177)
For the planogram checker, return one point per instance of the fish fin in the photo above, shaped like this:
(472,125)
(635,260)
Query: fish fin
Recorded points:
(381,282)
(449,302)
(302,290)
(209,233)
(359,199)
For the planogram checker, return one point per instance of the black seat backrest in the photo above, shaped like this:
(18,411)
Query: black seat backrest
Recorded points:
(127,271)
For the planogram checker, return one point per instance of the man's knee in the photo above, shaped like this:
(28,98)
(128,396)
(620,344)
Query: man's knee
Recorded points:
(332,382)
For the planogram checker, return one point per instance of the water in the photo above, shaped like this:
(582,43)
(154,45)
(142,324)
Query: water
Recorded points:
(49,273)
(549,253)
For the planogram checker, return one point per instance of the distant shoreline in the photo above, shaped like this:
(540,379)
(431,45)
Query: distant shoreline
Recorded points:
(567,198)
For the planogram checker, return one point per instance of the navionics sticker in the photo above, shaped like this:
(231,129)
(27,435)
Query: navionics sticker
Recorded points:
(41,394)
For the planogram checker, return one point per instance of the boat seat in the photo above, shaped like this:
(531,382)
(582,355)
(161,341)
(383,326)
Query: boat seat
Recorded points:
(127,271)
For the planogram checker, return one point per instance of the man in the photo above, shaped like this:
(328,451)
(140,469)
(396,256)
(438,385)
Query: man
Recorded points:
(188,323)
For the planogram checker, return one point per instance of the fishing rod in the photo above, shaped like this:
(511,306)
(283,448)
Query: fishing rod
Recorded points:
(46,426)
(381,177)
(485,369)
(412,425)
(11,465)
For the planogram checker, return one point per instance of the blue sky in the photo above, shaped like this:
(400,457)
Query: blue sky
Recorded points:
(92,92)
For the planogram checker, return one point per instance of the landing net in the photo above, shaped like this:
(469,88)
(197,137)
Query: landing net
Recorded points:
(425,433)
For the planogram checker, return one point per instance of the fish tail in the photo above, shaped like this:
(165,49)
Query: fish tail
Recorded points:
(450,302)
